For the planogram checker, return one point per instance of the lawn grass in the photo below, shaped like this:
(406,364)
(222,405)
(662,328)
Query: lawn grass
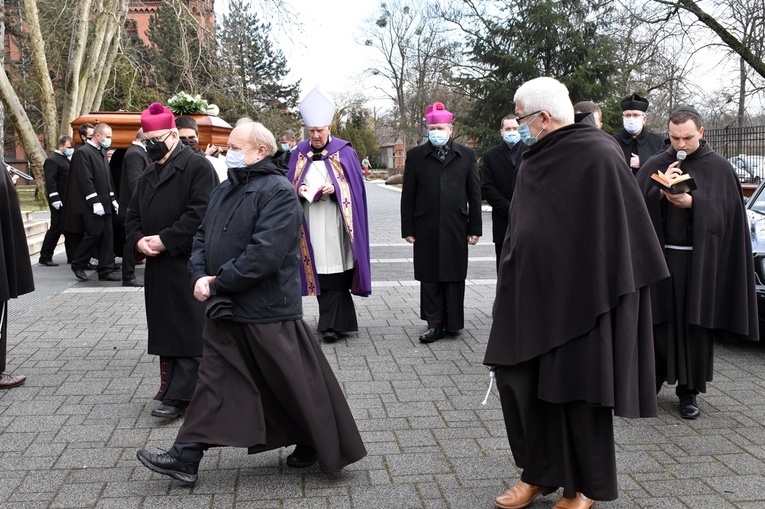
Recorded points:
(28,201)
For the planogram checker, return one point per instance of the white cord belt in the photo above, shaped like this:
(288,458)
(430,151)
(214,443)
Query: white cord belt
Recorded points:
(679,248)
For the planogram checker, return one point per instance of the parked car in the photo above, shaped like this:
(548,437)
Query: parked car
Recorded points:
(755,211)
(750,169)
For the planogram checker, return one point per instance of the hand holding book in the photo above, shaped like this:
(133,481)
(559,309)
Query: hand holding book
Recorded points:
(673,182)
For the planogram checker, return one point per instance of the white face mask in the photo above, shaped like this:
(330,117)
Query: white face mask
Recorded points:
(633,125)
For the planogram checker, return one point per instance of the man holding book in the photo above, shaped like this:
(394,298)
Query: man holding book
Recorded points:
(710,292)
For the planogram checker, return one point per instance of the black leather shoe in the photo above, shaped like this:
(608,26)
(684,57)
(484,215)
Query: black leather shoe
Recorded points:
(329,336)
(165,464)
(431,335)
(48,263)
(80,274)
(303,456)
(688,408)
(132,282)
(167,411)
(110,277)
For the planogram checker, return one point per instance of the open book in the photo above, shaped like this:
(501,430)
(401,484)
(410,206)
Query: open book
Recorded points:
(311,193)
(681,184)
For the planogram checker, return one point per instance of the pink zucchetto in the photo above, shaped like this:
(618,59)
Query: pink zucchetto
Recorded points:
(437,113)
(157,117)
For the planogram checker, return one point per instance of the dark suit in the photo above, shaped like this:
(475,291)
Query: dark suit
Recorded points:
(441,207)
(645,145)
(93,184)
(134,163)
(56,169)
(500,167)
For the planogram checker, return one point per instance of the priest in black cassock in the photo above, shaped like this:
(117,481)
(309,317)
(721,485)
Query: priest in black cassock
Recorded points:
(571,342)
(165,211)
(56,170)
(15,267)
(711,291)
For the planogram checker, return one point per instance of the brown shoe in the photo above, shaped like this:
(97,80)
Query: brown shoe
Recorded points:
(521,495)
(580,502)
(7,381)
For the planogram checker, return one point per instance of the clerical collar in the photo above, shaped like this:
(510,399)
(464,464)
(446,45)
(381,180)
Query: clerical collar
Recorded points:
(317,153)
(90,142)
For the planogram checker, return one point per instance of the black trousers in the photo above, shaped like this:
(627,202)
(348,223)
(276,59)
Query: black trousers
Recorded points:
(51,238)
(99,237)
(122,249)
(336,309)
(178,378)
(442,303)
(3,334)
(569,445)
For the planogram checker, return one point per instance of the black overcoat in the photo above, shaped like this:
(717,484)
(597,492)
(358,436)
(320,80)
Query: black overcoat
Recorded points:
(56,170)
(15,266)
(440,207)
(134,163)
(721,295)
(89,181)
(645,145)
(500,167)
(171,201)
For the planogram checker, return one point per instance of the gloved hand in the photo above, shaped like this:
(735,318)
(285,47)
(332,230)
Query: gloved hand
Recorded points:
(116,206)
(98,209)
(56,204)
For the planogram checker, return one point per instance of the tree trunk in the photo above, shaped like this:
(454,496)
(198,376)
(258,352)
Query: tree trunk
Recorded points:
(77,45)
(47,95)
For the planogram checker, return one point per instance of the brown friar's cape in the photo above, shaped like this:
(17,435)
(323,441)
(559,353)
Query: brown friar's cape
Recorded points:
(722,294)
(579,245)
(15,266)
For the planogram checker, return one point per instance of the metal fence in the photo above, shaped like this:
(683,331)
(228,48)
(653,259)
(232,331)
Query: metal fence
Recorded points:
(744,147)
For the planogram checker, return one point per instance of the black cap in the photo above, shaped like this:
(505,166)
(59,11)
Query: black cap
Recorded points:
(634,102)
(687,109)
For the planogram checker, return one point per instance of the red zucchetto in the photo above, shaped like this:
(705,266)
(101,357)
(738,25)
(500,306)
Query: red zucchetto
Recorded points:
(157,117)
(437,113)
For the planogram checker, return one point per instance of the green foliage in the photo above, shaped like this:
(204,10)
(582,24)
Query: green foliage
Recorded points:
(357,131)
(561,39)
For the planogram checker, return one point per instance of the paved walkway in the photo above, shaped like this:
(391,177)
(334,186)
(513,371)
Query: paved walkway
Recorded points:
(68,437)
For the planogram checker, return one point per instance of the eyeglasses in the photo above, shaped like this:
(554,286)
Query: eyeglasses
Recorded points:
(156,140)
(518,119)
(633,115)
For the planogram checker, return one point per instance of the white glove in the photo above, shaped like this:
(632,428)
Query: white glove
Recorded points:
(56,205)
(116,206)
(98,209)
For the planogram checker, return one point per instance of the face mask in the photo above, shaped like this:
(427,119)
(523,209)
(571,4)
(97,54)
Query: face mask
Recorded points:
(285,147)
(511,137)
(156,151)
(235,158)
(106,142)
(633,125)
(438,138)
(68,152)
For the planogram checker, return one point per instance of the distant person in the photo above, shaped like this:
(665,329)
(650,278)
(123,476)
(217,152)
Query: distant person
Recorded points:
(365,166)
(571,341)
(188,133)
(706,239)
(94,200)
(500,169)
(134,163)
(16,274)
(636,141)
(441,216)
(71,222)
(326,175)
(287,145)
(85,133)
(264,382)
(56,169)
(588,112)
(165,211)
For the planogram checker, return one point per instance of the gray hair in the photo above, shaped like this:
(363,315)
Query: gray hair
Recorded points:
(546,94)
(261,135)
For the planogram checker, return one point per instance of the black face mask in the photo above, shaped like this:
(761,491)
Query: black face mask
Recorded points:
(156,151)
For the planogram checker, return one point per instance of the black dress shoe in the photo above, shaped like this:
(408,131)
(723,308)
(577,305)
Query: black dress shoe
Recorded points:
(688,408)
(329,336)
(132,282)
(303,456)
(185,471)
(110,277)
(167,411)
(48,263)
(80,274)
(431,335)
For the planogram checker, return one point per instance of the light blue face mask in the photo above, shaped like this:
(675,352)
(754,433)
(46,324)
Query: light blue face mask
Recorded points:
(106,143)
(511,137)
(285,147)
(525,132)
(68,152)
(438,138)
(235,159)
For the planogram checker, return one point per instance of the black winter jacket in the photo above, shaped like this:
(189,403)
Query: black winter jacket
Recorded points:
(249,240)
